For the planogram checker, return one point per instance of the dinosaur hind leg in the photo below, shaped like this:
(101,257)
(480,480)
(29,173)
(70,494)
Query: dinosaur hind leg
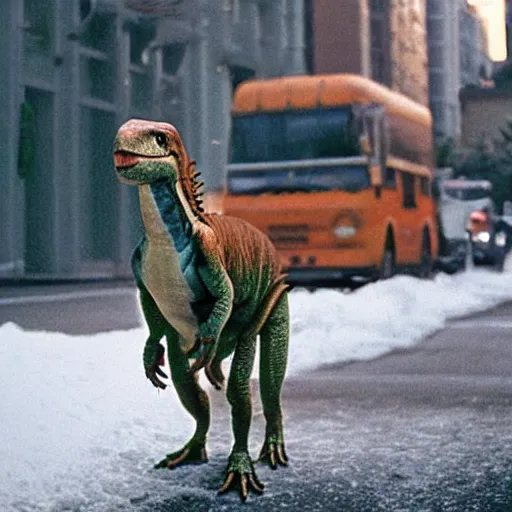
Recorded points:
(274,337)
(195,401)
(240,470)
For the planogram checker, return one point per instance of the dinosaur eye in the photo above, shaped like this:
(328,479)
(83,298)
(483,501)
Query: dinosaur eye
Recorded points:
(161,139)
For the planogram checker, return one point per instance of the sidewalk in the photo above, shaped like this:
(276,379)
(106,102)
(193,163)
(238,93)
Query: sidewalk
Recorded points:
(70,306)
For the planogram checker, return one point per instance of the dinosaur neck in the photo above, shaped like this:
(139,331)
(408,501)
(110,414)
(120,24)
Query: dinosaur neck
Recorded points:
(163,212)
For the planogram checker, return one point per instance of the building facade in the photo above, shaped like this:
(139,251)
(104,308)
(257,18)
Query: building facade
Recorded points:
(340,37)
(443,30)
(409,62)
(458,56)
(386,40)
(485,111)
(475,62)
(73,71)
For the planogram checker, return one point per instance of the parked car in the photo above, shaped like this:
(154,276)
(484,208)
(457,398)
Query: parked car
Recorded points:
(457,199)
(489,237)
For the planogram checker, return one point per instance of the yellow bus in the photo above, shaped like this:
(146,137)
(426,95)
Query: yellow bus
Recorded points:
(337,171)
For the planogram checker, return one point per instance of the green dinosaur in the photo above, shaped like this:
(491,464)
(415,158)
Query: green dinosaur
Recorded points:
(210,284)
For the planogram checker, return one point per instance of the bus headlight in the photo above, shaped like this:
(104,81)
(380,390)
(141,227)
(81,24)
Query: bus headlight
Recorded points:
(346,225)
(482,237)
(344,231)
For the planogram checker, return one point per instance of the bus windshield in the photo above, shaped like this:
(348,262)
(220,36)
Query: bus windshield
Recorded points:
(466,193)
(346,178)
(294,135)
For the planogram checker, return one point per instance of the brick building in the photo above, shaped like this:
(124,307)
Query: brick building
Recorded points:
(387,42)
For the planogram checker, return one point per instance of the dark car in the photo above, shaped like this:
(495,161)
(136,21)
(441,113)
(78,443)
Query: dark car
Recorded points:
(489,238)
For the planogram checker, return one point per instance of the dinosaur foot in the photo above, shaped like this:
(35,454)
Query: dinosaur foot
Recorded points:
(273,452)
(191,453)
(240,474)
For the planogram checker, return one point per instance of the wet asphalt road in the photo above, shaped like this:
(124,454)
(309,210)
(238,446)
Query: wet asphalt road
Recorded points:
(426,429)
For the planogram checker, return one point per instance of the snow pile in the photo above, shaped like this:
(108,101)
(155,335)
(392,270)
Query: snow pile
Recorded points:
(328,326)
(80,426)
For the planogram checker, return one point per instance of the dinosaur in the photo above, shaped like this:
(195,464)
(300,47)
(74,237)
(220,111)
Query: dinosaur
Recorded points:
(210,284)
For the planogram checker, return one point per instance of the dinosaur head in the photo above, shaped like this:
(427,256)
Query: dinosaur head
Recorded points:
(146,151)
(149,151)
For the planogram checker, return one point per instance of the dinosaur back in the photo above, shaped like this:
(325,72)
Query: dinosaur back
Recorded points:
(249,256)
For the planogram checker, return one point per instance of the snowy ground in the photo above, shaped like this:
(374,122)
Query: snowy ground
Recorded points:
(80,426)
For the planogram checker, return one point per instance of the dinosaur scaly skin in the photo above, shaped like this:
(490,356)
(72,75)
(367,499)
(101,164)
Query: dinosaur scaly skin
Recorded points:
(210,284)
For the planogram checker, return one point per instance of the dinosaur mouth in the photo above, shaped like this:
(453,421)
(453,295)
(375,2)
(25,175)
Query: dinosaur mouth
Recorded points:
(124,159)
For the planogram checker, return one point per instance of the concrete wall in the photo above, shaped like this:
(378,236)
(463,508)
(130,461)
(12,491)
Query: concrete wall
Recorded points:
(484,112)
(341,42)
(11,185)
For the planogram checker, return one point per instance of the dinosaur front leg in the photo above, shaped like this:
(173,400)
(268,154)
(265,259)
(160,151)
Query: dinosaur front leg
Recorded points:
(274,352)
(195,401)
(240,470)
(219,285)
(153,350)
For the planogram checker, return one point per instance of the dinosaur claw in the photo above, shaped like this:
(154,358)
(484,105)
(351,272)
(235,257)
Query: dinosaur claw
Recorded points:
(178,460)
(227,483)
(273,463)
(240,474)
(152,375)
(243,488)
(212,378)
(160,372)
(256,484)
(199,363)
(207,352)
(281,455)
(273,453)
(192,453)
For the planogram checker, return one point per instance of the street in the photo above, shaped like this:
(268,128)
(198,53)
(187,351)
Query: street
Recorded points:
(422,429)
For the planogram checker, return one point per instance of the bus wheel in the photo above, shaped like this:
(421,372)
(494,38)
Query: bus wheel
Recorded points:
(387,266)
(426,257)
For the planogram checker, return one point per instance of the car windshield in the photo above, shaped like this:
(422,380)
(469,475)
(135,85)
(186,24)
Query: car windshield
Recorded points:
(270,137)
(347,178)
(467,194)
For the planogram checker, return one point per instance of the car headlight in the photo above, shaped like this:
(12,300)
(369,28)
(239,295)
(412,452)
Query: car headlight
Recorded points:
(482,236)
(500,239)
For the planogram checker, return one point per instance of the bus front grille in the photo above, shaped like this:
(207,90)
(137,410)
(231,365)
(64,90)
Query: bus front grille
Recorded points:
(288,234)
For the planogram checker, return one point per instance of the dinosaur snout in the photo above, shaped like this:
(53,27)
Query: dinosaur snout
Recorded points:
(124,159)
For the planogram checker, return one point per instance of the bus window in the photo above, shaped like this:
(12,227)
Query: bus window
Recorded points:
(389,178)
(347,178)
(295,135)
(425,187)
(408,190)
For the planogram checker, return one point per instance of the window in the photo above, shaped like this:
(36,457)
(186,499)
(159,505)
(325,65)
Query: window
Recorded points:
(389,178)
(408,190)
(353,178)
(425,186)
(294,135)
(378,5)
